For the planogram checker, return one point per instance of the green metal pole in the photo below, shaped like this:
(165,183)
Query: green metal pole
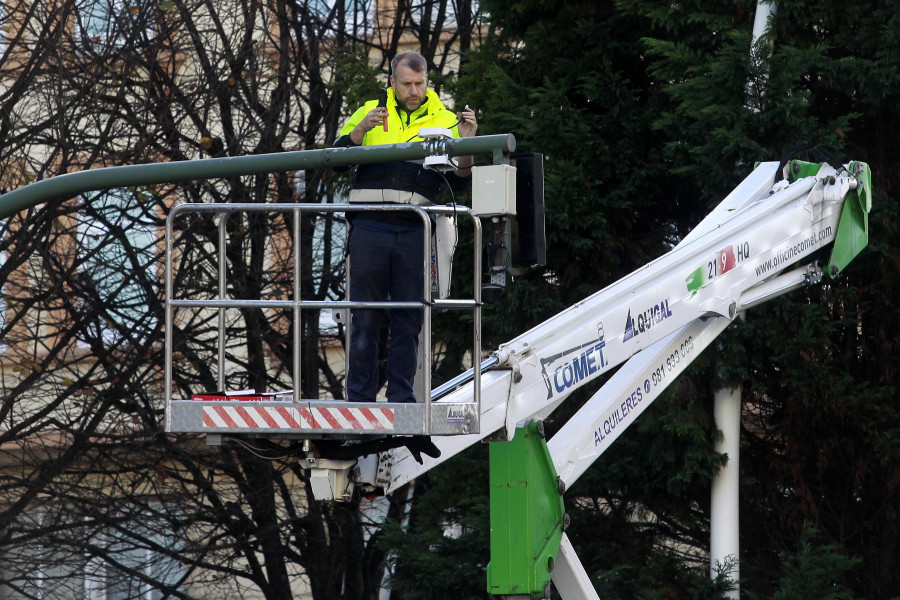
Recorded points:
(72,184)
(527,515)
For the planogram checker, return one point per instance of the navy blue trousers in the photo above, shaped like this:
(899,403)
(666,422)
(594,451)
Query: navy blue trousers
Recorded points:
(384,265)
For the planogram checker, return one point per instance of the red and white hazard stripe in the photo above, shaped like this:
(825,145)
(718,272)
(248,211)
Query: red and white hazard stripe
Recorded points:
(284,417)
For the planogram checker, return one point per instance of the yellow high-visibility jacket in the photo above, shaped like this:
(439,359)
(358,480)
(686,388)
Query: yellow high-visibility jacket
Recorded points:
(404,126)
(404,176)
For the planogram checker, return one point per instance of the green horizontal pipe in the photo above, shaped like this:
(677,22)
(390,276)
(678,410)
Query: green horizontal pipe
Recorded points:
(72,184)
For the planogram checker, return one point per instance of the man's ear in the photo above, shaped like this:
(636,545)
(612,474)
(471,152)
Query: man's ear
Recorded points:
(391,79)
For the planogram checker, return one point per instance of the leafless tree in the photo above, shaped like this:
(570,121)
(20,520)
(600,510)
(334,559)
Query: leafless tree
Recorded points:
(95,500)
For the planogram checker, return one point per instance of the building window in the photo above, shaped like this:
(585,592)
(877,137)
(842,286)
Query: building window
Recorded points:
(329,239)
(3,305)
(4,28)
(117,253)
(133,567)
(115,23)
(113,557)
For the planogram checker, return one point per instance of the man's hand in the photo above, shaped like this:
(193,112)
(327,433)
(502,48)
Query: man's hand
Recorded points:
(468,125)
(375,118)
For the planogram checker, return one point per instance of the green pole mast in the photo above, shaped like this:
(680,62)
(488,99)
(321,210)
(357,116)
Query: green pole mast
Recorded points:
(72,184)
(527,515)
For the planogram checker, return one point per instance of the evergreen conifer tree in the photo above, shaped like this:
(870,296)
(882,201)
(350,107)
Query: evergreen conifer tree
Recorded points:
(649,113)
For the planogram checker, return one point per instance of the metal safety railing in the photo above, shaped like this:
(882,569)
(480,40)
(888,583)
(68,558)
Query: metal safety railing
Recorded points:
(222,303)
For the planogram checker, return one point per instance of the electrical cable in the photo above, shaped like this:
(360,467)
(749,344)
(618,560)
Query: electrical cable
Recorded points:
(458,121)
(288,452)
(822,153)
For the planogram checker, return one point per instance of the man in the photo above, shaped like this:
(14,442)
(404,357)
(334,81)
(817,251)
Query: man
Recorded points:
(386,249)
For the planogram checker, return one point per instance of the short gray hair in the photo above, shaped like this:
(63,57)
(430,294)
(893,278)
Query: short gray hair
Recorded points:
(411,59)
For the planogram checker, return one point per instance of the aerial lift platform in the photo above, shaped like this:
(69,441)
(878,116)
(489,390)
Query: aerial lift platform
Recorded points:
(286,414)
(757,244)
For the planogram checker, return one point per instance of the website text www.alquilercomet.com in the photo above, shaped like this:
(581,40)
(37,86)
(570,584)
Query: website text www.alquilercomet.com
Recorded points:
(785,256)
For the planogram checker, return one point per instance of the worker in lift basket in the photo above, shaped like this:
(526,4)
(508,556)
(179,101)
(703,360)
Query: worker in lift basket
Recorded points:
(386,249)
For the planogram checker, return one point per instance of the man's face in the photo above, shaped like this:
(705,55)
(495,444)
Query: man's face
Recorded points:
(409,87)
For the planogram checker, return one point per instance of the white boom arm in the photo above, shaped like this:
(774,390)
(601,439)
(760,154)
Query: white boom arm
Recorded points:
(676,305)
(658,319)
